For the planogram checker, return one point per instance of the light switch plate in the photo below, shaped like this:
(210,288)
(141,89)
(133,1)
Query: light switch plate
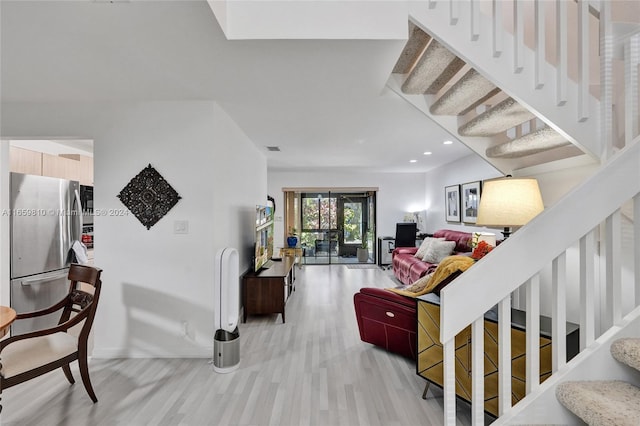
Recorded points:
(181,227)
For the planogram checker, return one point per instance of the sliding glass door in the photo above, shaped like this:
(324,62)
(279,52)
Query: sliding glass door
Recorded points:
(335,225)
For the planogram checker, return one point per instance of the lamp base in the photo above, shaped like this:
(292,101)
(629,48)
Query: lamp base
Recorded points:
(506,232)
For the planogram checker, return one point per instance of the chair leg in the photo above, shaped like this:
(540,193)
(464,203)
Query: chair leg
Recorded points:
(426,388)
(84,373)
(67,373)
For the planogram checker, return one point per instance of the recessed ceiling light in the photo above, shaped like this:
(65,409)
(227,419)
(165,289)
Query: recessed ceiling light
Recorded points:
(447,142)
(413,161)
(428,153)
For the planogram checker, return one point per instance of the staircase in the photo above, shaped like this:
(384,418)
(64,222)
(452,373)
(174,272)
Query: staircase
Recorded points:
(606,402)
(466,66)
(496,126)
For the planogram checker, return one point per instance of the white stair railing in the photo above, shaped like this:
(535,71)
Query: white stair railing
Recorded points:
(490,36)
(517,265)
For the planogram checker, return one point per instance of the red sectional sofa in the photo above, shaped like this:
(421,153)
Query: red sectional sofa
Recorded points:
(387,319)
(408,269)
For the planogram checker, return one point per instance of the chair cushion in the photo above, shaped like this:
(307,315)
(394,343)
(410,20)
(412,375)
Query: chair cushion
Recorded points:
(27,354)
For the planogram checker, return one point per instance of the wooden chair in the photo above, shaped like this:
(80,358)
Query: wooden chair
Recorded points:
(32,354)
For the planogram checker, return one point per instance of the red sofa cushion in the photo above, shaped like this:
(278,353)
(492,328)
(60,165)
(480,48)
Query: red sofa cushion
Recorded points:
(461,238)
(408,269)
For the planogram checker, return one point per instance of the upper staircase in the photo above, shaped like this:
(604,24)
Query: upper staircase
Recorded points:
(509,133)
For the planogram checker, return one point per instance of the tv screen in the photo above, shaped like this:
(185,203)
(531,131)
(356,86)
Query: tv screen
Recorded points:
(264,236)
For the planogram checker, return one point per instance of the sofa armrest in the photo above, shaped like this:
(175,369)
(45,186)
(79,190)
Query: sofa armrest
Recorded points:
(404,250)
(389,296)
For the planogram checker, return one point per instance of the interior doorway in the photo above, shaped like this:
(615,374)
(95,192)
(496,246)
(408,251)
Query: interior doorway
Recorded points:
(68,159)
(334,225)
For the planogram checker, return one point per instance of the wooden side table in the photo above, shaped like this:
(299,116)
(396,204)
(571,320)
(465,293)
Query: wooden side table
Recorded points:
(267,291)
(7,316)
(429,356)
(295,252)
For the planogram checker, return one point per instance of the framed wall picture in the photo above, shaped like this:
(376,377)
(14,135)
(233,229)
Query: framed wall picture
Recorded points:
(470,201)
(452,203)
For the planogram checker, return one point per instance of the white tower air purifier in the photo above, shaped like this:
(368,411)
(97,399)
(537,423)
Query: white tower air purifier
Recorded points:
(226,341)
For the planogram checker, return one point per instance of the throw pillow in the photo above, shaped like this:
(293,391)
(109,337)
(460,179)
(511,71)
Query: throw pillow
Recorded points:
(426,243)
(419,285)
(438,250)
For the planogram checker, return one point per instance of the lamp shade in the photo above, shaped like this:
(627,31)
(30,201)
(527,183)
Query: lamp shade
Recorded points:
(509,202)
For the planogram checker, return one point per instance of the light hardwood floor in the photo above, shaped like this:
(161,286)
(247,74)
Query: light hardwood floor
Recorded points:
(313,370)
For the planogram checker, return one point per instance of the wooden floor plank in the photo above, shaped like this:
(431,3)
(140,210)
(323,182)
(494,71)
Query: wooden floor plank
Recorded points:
(314,370)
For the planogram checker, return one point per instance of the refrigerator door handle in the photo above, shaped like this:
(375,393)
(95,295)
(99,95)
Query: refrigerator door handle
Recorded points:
(44,277)
(78,215)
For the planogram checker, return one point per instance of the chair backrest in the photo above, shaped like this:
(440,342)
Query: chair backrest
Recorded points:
(79,300)
(406,234)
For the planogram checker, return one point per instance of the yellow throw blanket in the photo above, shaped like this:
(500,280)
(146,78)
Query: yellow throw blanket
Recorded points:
(428,283)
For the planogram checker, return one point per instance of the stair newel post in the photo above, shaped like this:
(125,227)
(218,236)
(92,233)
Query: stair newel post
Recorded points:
(606,79)
(561,52)
(559,312)
(477,372)
(540,60)
(449,380)
(518,42)
(587,276)
(504,355)
(613,268)
(631,62)
(496,27)
(533,333)
(583,60)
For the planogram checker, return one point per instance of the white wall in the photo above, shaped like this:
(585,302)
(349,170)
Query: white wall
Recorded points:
(157,283)
(554,181)
(468,169)
(398,193)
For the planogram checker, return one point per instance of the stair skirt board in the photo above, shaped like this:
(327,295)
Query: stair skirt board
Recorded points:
(467,93)
(499,118)
(602,403)
(627,351)
(540,140)
(434,69)
(412,51)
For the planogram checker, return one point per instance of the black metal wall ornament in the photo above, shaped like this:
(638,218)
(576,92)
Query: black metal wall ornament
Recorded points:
(149,196)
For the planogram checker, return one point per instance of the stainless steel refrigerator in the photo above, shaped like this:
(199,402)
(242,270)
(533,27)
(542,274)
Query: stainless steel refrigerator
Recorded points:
(46,219)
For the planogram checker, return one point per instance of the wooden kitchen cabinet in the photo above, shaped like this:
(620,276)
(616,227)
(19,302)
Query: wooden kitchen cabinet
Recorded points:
(25,161)
(63,166)
(85,165)
(60,167)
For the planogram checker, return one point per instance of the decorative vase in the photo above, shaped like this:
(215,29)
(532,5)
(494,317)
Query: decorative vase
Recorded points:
(292,241)
(362,254)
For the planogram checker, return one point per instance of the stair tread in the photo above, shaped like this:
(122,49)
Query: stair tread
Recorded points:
(602,402)
(540,140)
(469,91)
(502,116)
(627,351)
(412,51)
(436,65)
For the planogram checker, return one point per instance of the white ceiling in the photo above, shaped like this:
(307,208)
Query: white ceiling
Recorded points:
(323,102)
